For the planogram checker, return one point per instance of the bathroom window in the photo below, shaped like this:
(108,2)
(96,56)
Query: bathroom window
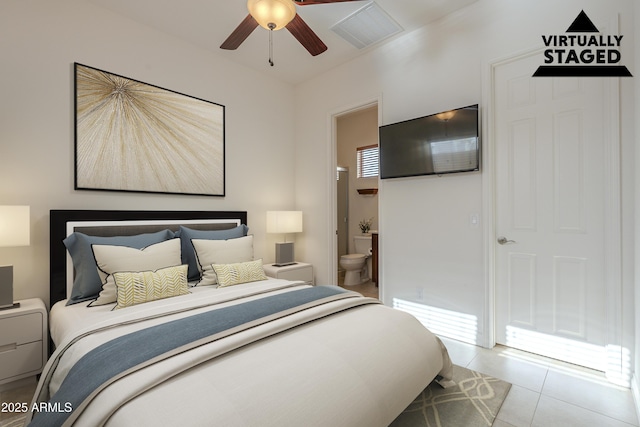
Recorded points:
(367,161)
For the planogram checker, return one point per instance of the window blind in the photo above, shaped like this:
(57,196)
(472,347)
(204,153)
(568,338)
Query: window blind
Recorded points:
(367,161)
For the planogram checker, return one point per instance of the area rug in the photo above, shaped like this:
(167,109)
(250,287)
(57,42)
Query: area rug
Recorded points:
(21,394)
(17,421)
(473,402)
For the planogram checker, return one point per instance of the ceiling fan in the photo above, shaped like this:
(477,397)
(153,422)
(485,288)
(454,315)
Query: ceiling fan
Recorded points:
(275,15)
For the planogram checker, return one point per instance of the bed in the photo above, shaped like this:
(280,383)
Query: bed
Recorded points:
(236,348)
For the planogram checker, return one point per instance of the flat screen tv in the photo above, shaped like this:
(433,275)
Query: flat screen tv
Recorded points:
(442,143)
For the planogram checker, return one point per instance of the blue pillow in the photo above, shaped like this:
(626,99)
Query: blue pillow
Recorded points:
(87,284)
(189,254)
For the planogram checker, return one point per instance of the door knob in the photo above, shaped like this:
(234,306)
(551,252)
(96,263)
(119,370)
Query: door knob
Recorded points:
(503,240)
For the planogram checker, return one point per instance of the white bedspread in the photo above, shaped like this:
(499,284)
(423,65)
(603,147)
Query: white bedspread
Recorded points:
(69,320)
(360,367)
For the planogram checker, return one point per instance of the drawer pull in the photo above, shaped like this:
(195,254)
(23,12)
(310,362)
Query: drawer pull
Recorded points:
(8,347)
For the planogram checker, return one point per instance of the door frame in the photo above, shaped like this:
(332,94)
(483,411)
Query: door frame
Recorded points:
(338,170)
(612,215)
(332,191)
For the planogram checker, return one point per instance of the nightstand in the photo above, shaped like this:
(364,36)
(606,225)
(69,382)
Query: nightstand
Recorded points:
(23,340)
(297,272)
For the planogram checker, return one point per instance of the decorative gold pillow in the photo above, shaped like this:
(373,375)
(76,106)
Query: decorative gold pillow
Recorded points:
(241,272)
(138,287)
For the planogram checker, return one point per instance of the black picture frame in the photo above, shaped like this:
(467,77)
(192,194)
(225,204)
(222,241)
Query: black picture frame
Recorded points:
(136,137)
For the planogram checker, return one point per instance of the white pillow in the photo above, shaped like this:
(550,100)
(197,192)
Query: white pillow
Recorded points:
(210,252)
(117,259)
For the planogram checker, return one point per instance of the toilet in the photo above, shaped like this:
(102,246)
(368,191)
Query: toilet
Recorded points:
(358,265)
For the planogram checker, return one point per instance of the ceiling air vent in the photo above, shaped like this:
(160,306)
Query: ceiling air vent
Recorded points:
(367,26)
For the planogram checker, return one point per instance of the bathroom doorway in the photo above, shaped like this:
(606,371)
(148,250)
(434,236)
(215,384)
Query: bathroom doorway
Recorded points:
(342,180)
(357,199)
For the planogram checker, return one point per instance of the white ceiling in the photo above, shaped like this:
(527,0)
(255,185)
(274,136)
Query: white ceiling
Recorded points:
(207,23)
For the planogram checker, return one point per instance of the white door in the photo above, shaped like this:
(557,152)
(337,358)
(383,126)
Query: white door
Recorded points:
(550,188)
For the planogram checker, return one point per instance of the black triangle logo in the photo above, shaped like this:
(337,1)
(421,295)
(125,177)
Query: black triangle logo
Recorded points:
(582,24)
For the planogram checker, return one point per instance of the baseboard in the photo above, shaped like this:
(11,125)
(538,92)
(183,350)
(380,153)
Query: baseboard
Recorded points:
(635,392)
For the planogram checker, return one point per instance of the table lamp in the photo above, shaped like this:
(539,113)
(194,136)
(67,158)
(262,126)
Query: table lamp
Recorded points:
(14,231)
(284,222)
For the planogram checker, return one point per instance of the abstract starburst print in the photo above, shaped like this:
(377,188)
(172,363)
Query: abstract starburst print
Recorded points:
(131,136)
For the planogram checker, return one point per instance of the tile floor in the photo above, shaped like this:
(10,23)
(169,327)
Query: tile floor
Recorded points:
(368,289)
(548,393)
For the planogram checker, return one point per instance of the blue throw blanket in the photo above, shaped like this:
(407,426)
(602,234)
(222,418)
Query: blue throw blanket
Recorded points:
(105,362)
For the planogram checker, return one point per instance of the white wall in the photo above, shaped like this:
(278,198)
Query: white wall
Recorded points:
(40,40)
(425,234)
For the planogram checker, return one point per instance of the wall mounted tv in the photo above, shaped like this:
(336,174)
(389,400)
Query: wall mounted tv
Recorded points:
(442,143)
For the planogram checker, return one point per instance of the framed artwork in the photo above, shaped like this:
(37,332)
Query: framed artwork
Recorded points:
(133,136)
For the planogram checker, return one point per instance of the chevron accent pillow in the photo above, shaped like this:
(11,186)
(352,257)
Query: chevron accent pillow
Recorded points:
(134,288)
(241,272)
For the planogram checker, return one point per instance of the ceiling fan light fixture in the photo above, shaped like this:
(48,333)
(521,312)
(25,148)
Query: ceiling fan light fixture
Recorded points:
(446,116)
(272,14)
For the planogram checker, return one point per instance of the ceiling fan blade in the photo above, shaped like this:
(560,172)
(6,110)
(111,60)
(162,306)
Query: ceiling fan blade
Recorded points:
(305,35)
(240,34)
(310,2)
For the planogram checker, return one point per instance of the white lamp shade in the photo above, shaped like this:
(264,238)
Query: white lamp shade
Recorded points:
(276,12)
(14,226)
(284,222)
